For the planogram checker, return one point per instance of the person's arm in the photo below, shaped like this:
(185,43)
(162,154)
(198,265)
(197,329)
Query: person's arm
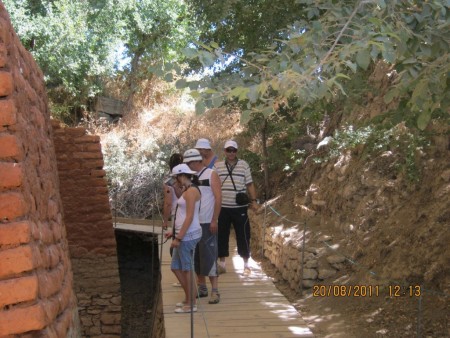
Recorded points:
(217,192)
(167,205)
(252,195)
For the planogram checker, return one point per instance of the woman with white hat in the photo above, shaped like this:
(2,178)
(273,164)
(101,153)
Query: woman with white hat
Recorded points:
(187,233)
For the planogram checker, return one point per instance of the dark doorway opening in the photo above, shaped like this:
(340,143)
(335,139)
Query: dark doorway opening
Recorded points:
(139,270)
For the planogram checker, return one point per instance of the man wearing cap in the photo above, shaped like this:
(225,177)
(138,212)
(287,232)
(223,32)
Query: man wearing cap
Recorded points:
(206,253)
(204,147)
(235,177)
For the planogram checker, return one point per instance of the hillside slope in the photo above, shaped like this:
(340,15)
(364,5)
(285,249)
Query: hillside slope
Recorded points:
(393,232)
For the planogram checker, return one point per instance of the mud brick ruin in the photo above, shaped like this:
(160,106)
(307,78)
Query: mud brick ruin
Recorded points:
(58,264)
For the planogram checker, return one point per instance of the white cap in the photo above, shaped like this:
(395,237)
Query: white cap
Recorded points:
(230,144)
(192,155)
(182,169)
(203,143)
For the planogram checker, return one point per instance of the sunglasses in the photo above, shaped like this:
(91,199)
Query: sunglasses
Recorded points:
(231,150)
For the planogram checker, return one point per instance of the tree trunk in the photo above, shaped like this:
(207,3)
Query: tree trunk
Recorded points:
(267,192)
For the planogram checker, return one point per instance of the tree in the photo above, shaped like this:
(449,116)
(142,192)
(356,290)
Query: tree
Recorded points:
(76,42)
(336,41)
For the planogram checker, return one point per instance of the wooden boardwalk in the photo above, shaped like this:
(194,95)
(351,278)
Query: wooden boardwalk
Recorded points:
(250,306)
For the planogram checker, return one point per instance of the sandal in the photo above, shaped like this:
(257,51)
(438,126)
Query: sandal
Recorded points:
(186,309)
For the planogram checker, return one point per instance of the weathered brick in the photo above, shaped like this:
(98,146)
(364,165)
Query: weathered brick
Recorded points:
(95,147)
(13,321)
(87,139)
(66,295)
(12,205)
(93,164)
(10,175)
(13,291)
(75,132)
(50,281)
(64,322)
(6,84)
(15,261)
(9,147)
(15,233)
(3,55)
(86,155)
(98,173)
(7,112)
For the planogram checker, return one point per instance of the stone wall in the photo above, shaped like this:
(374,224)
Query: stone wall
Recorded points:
(84,192)
(36,295)
(90,232)
(283,247)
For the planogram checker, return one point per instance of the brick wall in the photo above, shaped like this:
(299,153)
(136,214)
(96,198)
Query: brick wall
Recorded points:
(84,192)
(36,293)
(90,232)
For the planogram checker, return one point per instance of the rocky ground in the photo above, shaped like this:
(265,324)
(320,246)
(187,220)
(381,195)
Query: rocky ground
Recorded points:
(395,234)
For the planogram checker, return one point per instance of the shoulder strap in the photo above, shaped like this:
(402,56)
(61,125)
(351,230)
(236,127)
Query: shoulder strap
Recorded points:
(201,172)
(230,172)
(211,164)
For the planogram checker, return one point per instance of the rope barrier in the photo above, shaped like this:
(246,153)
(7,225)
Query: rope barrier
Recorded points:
(404,283)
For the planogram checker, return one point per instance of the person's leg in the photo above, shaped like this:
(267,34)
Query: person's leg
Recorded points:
(203,261)
(186,252)
(176,266)
(202,289)
(223,237)
(241,224)
(215,295)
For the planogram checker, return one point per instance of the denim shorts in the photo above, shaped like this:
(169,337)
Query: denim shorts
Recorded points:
(183,255)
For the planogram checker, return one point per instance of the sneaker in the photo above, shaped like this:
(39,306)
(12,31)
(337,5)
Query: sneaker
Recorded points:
(221,269)
(186,309)
(247,271)
(202,294)
(215,298)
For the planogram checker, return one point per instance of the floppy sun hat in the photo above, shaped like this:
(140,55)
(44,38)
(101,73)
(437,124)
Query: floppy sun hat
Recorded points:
(182,169)
(230,144)
(203,143)
(192,155)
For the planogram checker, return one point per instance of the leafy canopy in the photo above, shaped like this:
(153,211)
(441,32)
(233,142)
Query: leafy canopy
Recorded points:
(331,42)
(81,44)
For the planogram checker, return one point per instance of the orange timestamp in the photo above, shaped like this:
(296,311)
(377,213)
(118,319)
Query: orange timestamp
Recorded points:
(366,291)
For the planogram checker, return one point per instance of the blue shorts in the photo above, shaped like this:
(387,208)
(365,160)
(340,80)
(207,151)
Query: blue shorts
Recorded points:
(182,257)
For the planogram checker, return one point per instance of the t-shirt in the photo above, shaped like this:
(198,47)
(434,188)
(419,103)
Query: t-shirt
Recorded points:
(194,227)
(241,177)
(208,199)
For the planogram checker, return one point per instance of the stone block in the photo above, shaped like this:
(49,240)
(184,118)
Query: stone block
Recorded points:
(17,290)
(15,233)
(12,321)
(15,261)
(309,274)
(50,281)
(6,84)
(7,112)
(9,147)
(11,175)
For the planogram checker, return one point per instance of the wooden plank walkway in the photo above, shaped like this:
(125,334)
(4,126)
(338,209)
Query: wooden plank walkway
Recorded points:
(250,306)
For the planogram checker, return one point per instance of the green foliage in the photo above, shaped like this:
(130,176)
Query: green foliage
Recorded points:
(77,43)
(331,42)
(404,143)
